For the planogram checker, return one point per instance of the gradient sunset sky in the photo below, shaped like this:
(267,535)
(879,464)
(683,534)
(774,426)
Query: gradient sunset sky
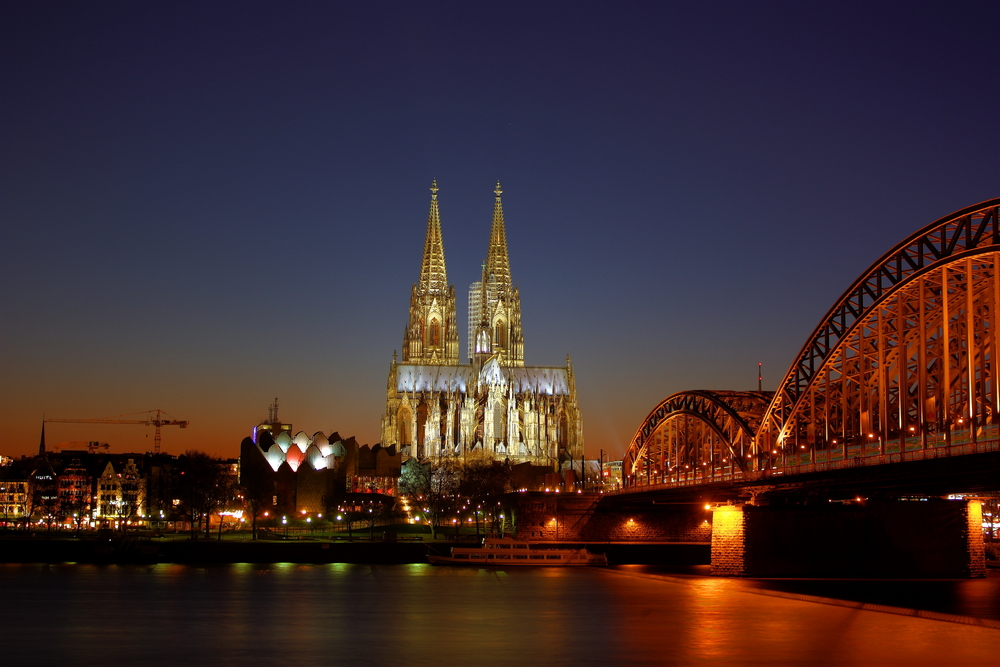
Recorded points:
(208,205)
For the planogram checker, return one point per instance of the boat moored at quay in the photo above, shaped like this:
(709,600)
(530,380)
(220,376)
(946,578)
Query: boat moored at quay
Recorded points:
(507,551)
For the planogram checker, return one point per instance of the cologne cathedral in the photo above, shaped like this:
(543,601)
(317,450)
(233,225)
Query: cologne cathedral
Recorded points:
(493,406)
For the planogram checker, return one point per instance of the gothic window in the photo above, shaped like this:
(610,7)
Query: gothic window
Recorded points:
(499,422)
(435,337)
(421,422)
(443,421)
(500,333)
(404,437)
(479,425)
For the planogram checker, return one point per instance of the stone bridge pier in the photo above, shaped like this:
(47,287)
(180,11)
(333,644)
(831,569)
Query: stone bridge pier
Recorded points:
(883,539)
(868,539)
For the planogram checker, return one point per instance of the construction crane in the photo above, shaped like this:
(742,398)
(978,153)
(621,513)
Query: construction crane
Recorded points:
(150,420)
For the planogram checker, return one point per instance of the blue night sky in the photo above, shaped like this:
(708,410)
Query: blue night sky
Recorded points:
(207,205)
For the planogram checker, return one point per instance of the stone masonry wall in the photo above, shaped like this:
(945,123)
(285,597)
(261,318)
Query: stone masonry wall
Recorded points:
(974,539)
(578,517)
(728,542)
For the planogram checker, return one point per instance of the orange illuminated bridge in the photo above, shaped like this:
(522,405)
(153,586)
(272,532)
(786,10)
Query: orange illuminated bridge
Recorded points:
(903,367)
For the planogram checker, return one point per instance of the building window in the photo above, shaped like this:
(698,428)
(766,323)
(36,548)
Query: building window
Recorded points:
(435,338)
(500,334)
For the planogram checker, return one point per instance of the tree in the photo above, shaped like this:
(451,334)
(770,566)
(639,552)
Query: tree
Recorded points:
(222,498)
(370,516)
(351,514)
(484,484)
(257,493)
(197,487)
(77,507)
(379,510)
(432,489)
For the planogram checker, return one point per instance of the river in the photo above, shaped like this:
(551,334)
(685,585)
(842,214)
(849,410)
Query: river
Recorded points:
(287,614)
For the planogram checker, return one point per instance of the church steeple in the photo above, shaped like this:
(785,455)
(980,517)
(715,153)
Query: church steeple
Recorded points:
(432,334)
(497,269)
(499,307)
(438,409)
(433,273)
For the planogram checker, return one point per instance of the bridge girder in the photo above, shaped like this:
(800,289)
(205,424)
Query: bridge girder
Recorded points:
(891,359)
(695,435)
(904,361)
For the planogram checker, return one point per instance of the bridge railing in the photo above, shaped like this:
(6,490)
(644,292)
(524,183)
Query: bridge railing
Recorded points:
(940,452)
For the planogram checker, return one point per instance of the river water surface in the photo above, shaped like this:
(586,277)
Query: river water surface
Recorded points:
(339,614)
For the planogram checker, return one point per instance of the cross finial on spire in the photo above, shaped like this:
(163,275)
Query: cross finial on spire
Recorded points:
(498,191)
(434,188)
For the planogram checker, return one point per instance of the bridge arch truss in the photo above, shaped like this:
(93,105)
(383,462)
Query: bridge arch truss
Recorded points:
(905,362)
(906,359)
(695,436)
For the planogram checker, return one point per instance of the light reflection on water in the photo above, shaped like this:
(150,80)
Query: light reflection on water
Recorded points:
(343,614)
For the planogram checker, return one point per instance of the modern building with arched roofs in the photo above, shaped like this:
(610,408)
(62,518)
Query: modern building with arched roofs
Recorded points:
(301,472)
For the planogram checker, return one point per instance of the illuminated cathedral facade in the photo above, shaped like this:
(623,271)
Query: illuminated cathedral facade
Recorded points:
(493,406)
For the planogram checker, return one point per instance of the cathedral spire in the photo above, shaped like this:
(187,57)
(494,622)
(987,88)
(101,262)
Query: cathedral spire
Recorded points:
(497,269)
(438,409)
(499,303)
(433,274)
(431,337)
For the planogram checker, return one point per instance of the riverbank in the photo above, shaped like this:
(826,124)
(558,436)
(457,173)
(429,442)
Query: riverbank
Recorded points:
(141,549)
(123,550)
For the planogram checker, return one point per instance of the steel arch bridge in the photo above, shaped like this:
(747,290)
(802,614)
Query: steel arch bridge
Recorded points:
(903,366)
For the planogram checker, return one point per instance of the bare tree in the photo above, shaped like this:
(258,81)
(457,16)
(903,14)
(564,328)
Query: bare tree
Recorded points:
(484,483)
(223,498)
(433,489)
(196,487)
(257,494)
(77,507)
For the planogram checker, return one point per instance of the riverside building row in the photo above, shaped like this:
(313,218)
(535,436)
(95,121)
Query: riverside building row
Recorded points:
(93,489)
(285,473)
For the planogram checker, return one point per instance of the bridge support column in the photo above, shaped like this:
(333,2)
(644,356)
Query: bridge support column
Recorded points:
(900,539)
(729,545)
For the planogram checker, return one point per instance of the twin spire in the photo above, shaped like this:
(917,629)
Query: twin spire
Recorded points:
(497,269)
(494,309)
(433,274)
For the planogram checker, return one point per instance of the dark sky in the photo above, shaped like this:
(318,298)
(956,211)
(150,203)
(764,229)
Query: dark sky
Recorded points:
(207,205)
